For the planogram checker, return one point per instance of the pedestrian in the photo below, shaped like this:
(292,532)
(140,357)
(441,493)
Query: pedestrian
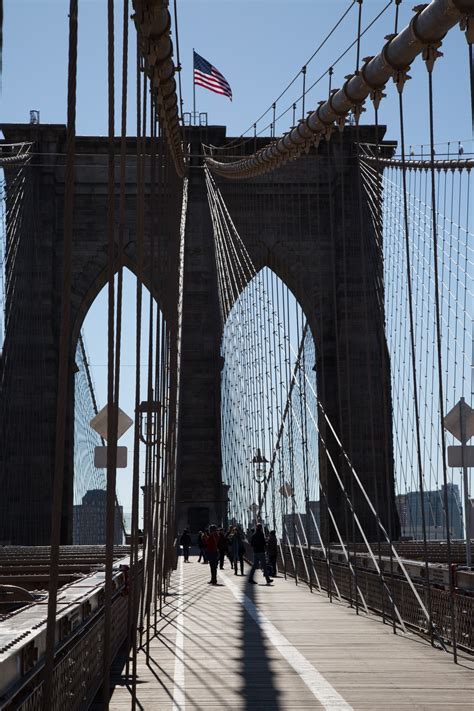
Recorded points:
(200,546)
(272,552)
(259,558)
(205,536)
(185,541)
(238,550)
(222,546)
(212,553)
(228,536)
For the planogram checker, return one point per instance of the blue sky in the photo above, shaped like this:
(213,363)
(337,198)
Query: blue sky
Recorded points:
(259,46)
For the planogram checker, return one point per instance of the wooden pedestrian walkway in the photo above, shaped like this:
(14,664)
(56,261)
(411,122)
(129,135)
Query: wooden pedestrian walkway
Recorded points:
(240,646)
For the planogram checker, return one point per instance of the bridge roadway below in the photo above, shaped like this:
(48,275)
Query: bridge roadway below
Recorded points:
(242,646)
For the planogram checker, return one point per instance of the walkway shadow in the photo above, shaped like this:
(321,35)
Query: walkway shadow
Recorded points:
(259,690)
(117,678)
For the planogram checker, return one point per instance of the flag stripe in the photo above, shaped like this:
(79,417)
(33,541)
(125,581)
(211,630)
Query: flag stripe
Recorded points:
(208,84)
(210,80)
(209,77)
(216,90)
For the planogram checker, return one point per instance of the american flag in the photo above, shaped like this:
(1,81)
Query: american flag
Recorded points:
(209,77)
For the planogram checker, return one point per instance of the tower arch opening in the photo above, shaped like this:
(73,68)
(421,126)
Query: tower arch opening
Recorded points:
(90,395)
(269,439)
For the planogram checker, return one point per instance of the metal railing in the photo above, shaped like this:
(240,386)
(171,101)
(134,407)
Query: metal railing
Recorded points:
(376,596)
(78,671)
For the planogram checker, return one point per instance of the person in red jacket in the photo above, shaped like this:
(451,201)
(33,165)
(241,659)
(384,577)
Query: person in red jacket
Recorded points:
(212,553)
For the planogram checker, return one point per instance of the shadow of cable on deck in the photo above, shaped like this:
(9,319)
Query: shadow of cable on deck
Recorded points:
(259,690)
(117,678)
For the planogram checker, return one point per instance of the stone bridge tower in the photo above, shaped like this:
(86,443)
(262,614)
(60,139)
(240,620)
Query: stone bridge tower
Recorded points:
(309,262)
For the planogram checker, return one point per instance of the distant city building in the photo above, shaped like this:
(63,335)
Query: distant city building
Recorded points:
(127,521)
(299,525)
(89,520)
(410,512)
(471,503)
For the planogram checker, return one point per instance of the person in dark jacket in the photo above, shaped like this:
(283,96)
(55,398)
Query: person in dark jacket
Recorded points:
(259,558)
(201,547)
(238,550)
(223,547)
(212,552)
(272,552)
(185,541)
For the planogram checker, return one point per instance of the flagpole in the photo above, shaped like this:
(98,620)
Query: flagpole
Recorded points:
(194,94)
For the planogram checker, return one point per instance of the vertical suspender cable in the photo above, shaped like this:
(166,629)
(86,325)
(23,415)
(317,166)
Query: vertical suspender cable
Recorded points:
(134,588)
(145,498)
(123,159)
(383,351)
(303,97)
(471,77)
(63,369)
(178,68)
(111,404)
(359,30)
(429,66)
(413,344)
(336,315)
(151,395)
(345,331)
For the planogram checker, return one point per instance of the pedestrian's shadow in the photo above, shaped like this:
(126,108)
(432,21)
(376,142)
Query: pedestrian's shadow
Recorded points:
(259,688)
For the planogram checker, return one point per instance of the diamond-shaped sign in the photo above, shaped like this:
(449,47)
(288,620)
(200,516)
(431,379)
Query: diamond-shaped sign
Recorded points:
(452,421)
(99,422)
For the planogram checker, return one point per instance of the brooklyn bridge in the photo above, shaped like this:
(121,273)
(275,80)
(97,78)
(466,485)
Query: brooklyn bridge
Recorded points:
(297,304)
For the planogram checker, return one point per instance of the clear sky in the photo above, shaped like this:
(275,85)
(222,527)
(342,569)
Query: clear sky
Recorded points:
(259,45)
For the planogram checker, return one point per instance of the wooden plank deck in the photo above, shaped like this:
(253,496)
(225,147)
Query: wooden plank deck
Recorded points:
(280,647)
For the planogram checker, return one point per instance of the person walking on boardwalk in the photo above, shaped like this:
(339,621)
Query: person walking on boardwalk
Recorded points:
(212,553)
(201,547)
(185,541)
(272,552)
(205,536)
(223,547)
(259,558)
(238,550)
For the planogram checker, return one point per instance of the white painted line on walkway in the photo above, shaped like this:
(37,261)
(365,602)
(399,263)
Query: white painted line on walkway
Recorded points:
(314,680)
(179,701)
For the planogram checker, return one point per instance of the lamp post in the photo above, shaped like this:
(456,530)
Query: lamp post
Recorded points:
(149,414)
(259,475)
(149,421)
